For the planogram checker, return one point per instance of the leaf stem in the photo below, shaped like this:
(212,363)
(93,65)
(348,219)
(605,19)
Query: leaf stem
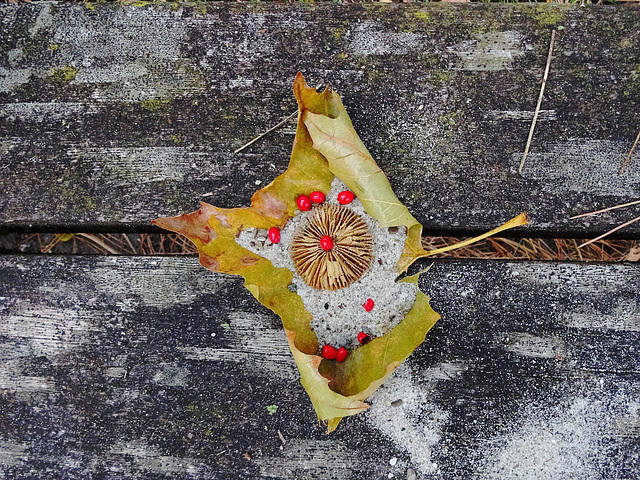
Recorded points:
(518,221)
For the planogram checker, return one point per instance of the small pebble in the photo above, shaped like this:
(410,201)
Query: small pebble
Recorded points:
(393,461)
(411,475)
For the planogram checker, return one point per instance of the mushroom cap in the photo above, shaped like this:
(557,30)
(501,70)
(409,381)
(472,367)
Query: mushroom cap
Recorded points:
(350,256)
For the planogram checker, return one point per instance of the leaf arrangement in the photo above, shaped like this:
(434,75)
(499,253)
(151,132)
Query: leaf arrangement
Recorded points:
(326,146)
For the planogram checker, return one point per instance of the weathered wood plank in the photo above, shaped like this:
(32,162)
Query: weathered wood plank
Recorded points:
(153,368)
(111,116)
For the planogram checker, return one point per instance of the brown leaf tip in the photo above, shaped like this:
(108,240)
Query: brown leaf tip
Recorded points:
(341,265)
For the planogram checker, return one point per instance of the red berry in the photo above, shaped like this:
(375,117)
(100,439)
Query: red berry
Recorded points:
(362,337)
(329,352)
(326,243)
(345,197)
(304,203)
(341,356)
(368,305)
(316,197)
(274,234)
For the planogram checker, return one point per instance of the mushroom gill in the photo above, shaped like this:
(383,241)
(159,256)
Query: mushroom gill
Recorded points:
(341,265)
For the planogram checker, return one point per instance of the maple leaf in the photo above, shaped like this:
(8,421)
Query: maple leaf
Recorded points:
(326,146)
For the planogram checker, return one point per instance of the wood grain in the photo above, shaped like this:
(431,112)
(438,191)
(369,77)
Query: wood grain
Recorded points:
(113,115)
(138,367)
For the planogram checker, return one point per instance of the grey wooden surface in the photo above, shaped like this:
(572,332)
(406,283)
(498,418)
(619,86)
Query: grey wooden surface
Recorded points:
(112,115)
(153,368)
(144,368)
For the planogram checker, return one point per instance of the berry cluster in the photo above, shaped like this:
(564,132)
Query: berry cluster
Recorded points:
(330,353)
(304,203)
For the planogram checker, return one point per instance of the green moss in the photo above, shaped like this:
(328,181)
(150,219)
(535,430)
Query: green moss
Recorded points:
(550,17)
(429,61)
(375,76)
(421,15)
(627,43)
(544,15)
(153,104)
(54,46)
(272,409)
(71,190)
(172,197)
(578,71)
(176,139)
(631,87)
(199,7)
(63,74)
(213,413)
(441,77)
(449,118)
(338,33)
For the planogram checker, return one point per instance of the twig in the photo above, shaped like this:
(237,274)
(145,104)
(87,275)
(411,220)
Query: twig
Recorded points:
(265,133)
(626,160)
(635,202)
(610,232)
(535,114)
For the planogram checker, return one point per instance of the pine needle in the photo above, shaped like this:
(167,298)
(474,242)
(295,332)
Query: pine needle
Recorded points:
(635,202)
(100,242)
(626,160)
(535,114)
(610,232)
(265,133)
